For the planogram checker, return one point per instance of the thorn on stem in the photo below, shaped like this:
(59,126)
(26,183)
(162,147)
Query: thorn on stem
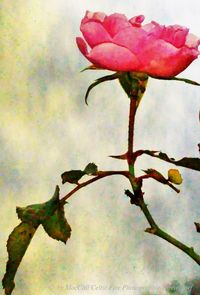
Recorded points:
(151,230)
(120,157)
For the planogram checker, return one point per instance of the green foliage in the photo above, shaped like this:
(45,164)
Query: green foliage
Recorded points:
(191,163)
(37,213)
(188,81)
(91,169)
(99,81)
(134,84)
(56,225)
(73,176)
(52,217)
(17,244)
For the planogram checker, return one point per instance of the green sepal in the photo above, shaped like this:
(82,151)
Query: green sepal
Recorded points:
(134,84)
(91,67)
(99,81)
(188,81)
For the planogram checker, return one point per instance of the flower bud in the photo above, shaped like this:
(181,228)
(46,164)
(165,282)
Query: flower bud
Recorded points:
(174,176)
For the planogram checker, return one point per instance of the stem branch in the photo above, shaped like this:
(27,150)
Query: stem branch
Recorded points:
(137,196)
(162,234)
(100,174)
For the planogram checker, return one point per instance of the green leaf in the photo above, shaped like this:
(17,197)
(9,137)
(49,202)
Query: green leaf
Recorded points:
(91,169)
(36,213)
(51,215)
(191,163)
(17,245)
(72,176)
(98,81)
(57,226)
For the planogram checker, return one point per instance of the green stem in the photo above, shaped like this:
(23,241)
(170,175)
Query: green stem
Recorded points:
(138,195)
(132,112)
(162,234)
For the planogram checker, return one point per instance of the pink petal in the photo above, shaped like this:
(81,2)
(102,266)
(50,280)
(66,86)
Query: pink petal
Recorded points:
(184,58)
(132,38)
(192,41)
(113,57)
(137,20)
(153,29)
(82,45)
(164,60)
(99,16)
(156,58)
(94,33)
(115,22)
(175,35)
(93,16)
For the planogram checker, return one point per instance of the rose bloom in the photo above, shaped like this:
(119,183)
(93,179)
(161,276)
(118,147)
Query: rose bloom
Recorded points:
(119,44)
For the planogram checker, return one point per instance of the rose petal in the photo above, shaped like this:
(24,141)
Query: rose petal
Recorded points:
(82,45)
(115,22)
(94,33)
(93,16)
(153,29)
(113,57)
(162,59)
(192,41)
(175,35)
(156,57)
(132,38)
(100,16)
(119,44)
(137,20)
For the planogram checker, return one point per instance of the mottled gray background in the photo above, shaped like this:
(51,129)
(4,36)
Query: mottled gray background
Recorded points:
(45,129)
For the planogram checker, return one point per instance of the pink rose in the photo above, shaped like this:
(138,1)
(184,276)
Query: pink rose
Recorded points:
(119,44)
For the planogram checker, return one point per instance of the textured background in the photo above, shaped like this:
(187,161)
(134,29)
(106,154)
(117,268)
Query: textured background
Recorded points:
(45,129)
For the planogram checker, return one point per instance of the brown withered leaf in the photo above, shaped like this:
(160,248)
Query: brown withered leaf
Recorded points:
(191,163)
(197,226)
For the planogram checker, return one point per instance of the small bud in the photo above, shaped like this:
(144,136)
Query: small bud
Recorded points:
(174,176)
(156,175)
